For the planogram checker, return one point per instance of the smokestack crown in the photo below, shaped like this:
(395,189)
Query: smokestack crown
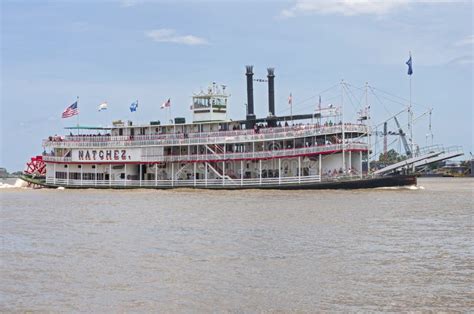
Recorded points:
(249,70)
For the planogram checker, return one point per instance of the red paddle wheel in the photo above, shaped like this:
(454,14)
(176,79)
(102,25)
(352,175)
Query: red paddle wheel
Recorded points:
(36,167)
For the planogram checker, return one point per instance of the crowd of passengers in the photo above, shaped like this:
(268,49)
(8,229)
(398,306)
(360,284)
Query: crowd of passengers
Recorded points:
(238,148)
(57,138)
(257,130)
(259,126)
(340,172)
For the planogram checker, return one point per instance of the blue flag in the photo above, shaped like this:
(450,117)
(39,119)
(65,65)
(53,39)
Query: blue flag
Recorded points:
(134,106)
(410,69)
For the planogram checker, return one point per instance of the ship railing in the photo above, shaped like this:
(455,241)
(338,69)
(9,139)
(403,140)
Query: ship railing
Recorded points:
(234,156)
(202,138)
(56,158)
(429,149)
(258,154)
(438,148)
(455,148)
(219,182)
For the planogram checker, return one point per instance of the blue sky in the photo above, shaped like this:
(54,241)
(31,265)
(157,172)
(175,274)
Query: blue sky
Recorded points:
(120,51)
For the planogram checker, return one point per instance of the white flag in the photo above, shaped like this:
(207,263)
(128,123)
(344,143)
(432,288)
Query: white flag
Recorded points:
(103,106)
(166,104)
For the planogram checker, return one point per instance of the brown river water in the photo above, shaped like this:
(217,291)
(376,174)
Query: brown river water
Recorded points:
(396,249)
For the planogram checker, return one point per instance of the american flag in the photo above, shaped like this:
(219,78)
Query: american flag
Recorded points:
(70,111)
(166,104)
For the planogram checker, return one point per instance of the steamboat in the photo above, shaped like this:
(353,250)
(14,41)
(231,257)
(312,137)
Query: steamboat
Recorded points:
(318,150)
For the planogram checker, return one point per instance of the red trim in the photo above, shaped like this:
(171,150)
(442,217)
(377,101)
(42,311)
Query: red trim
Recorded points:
(287,156)
(111,162)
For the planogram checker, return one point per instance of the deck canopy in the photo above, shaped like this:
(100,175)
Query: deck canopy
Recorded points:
(84,127)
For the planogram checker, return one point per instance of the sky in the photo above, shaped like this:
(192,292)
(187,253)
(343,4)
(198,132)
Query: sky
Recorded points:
(120,51)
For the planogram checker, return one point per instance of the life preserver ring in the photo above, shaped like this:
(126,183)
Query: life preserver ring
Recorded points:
(273,146)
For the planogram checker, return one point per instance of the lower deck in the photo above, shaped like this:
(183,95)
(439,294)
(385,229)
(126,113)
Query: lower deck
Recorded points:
(339,183)
(275,171)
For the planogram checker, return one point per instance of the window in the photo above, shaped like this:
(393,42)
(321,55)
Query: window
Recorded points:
(88,176)
(75,175)
(61,175)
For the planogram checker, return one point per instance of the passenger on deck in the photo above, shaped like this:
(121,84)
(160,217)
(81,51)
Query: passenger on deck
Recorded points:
(256,129)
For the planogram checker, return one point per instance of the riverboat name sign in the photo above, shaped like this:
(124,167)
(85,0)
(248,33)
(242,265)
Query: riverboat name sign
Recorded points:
(106,154)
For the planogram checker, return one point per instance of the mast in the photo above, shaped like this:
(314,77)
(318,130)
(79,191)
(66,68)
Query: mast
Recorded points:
(410,110)
(368,127)
(431,132)
(343,134)
(410,122)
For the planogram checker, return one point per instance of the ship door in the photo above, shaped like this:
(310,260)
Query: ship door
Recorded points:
(143,171)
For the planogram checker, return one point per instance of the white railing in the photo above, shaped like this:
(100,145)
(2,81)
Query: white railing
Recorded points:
(229,156)
(200,138)
(186,183)
(56,158)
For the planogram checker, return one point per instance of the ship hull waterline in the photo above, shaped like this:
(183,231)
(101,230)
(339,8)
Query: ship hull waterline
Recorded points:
(368,183)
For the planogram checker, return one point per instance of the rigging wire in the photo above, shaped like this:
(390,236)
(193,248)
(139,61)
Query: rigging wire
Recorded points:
(311,97)
(351,96)
(401,98)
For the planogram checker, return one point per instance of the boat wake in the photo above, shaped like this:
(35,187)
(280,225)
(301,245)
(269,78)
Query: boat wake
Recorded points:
(19,184)
(409,187)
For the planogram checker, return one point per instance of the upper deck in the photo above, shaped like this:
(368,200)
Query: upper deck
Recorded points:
(195,138)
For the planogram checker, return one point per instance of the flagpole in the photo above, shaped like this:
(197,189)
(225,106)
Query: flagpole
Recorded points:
(291,108)
(343,133)
(77,115)
(368,127)
(411,119)
(320,115)
(410,109)
(291,112)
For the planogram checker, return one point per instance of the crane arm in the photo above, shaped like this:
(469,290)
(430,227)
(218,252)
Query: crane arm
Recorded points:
(403,137)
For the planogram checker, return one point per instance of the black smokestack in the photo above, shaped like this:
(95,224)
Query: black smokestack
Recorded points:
(271,92)
(249,74)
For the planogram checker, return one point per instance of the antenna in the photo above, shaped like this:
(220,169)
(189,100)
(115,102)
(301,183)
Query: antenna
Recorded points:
(431,133)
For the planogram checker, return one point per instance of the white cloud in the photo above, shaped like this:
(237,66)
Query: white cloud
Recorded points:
(462,60)
(467,41)
(130,3)
(355,7)
(166,35)
(343,7)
